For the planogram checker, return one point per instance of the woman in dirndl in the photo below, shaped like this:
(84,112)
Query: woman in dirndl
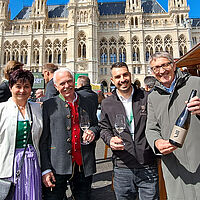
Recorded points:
(16,117)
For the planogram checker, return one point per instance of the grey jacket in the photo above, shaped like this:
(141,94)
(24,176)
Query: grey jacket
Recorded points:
(181,169)
(8,128)
(55,143)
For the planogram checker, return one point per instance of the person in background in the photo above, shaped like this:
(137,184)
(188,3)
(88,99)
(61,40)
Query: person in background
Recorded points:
(137,83)
(149,82)
(101,97)
(84,88)
(47,72)
(135,165)
(17,115)
(5,92)
(63,156)
(39,93)
(181,166)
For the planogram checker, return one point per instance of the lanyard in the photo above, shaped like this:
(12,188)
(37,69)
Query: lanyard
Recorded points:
(129,121)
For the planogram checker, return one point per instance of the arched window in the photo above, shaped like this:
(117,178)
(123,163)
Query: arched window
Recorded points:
(48,51)
(81,45)
(122,54)
(36,54)
(64,54)
(81,17)
(113,55)
(103,56)
(6,57)
(168,44)
(15,51)
(112,46)
(85,16)
(24,52)
(149,48)
(7,52)
(182,47)
(103,51)
(132,21)
(182,19)
(158,43)
(136,21)
(177,18)
(135,49)
(57,51)
(122,49)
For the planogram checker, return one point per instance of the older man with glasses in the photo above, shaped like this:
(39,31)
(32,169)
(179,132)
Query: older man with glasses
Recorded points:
(181,166)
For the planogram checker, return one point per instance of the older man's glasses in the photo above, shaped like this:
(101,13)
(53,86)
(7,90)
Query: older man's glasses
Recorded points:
(165,66)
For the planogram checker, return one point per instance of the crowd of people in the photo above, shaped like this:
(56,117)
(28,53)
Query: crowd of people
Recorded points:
(58,132)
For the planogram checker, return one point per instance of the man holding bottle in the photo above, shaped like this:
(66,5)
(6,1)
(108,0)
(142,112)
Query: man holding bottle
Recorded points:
(181,166)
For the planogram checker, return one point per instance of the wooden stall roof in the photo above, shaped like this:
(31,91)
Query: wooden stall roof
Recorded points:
(191,58)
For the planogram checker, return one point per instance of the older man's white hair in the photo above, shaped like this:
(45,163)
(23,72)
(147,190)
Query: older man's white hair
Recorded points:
(60,70)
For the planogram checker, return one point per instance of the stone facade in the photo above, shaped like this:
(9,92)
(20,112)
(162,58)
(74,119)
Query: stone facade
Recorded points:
(87,36)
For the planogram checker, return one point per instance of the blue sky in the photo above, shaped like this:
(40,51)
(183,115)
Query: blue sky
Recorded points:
(16,6)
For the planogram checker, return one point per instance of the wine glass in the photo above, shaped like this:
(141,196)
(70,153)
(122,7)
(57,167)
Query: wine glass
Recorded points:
(84,124)
(120,124)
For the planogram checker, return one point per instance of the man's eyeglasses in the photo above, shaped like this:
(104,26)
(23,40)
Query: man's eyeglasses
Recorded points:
(165,66)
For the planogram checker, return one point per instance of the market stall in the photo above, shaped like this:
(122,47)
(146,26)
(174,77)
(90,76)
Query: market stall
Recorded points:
(191,61)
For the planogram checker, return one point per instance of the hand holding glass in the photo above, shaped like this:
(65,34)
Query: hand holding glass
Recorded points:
(84,124)
(120,124)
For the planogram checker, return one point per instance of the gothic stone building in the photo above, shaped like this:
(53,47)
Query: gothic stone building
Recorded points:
(87,36)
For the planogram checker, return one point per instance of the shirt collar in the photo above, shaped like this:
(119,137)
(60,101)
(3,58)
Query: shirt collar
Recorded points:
(74,100)
(171,88)
(124,99)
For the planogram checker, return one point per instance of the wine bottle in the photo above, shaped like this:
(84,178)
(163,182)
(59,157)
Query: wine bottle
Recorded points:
(182,125)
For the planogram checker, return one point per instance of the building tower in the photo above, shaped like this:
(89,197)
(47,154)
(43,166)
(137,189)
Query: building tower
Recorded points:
(4,13)
(179,10)
(82,37)
(39,8)
(4,24)
(179,13)
(39,14)
(133,6)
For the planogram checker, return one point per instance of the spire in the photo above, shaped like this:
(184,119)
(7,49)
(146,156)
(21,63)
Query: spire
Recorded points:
(4,14)
(133,6)
(39,8)
(179,11)
(177,4)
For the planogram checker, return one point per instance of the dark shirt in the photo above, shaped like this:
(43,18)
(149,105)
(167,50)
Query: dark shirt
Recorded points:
(51,91)
(5,93)
(86,91)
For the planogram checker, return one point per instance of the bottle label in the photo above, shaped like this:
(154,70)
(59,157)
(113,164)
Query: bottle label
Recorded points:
(178,134)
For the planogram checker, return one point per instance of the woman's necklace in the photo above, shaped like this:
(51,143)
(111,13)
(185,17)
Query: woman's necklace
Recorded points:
(22,110)
(21,107)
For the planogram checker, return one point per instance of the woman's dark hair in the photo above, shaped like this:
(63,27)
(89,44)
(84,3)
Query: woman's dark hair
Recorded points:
(22,75)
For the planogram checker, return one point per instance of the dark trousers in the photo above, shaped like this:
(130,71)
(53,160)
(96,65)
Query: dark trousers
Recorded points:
(79,184)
